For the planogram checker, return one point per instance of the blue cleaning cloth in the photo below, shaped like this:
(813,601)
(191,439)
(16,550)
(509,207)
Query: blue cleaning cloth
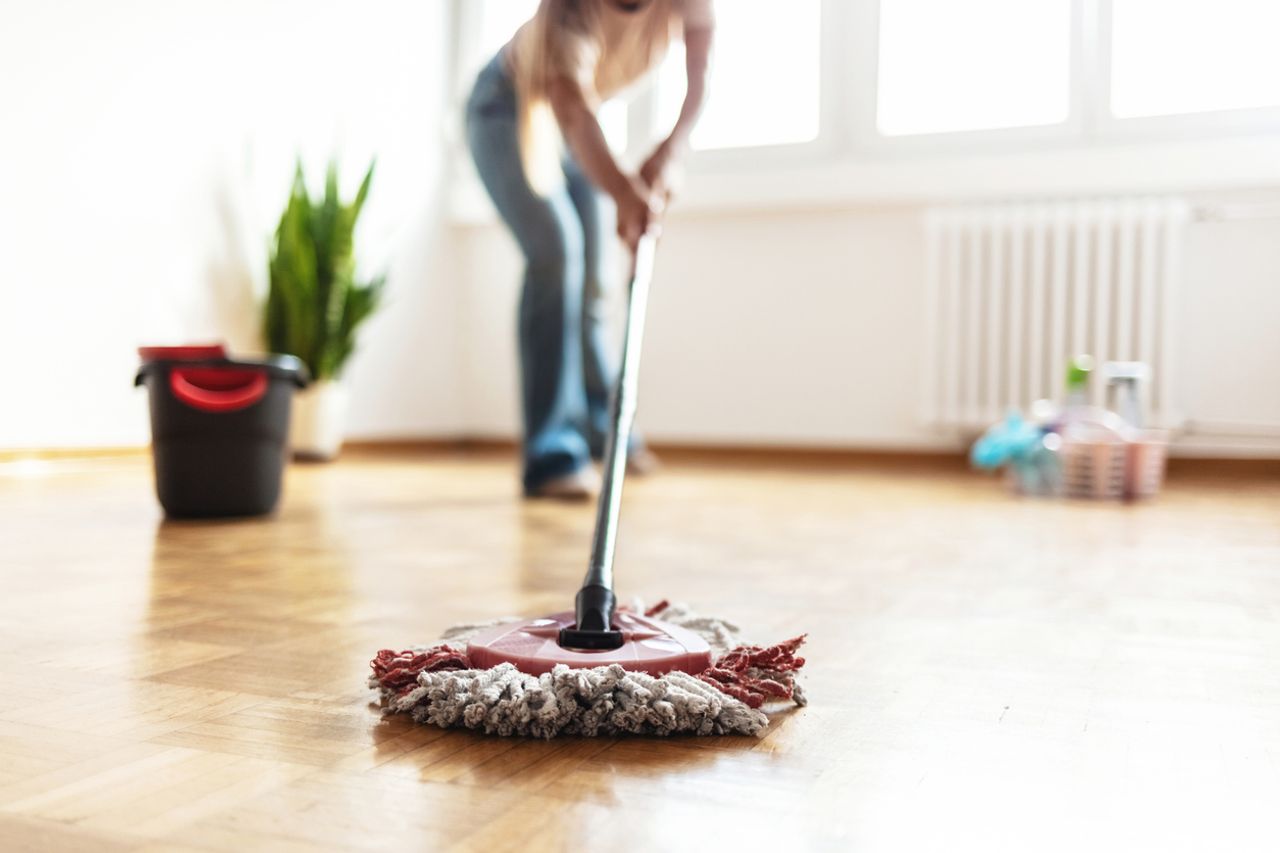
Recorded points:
(1011,440)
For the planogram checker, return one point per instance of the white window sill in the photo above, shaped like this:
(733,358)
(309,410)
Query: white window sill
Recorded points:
(915,178)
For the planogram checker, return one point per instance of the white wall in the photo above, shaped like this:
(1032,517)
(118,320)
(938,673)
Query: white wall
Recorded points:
(761,329)
(145,153)
(802,327)
(146,150)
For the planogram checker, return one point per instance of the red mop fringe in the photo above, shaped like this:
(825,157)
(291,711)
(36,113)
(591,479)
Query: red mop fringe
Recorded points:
(399,670)
(730,673)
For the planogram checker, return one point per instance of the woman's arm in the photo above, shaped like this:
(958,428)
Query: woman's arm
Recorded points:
(656,171)
(586,140)
(697,56)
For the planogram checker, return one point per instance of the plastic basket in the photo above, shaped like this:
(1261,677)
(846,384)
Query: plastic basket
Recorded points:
(1114,468)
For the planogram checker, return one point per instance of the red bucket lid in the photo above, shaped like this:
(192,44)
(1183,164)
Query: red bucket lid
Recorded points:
(187,352)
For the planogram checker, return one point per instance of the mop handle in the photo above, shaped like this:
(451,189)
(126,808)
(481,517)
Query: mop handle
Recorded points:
(623,405)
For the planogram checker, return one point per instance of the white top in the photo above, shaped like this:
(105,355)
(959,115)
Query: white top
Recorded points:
(604,47)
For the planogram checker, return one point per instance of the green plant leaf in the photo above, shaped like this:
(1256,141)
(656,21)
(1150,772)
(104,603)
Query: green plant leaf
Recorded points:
(363,192)
(314,305)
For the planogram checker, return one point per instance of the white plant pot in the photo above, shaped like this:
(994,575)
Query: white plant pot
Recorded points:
(318,418)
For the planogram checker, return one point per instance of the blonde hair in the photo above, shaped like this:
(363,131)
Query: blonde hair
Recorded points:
(565,39)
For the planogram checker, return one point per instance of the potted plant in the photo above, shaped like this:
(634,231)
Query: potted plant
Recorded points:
(315,304)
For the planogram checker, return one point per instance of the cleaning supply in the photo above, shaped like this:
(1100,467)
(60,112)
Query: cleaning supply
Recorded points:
(1079,370)
(1080,450)
(1147,449)
(218,428)
(1105,454)
(1010,440)
(598,670)
(440,685)
(1124,382)
(1026,449)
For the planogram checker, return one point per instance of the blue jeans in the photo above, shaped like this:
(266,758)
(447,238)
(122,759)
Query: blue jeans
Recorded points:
(566,369)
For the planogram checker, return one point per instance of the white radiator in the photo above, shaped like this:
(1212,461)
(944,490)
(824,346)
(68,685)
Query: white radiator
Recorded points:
(1014,290)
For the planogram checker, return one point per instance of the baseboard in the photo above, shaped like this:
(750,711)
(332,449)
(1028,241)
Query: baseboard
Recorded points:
(808,456)
(1220,466)
(443,444)
(694,453)
(53,453)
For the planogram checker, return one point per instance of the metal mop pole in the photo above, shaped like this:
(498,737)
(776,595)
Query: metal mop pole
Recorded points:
(594,605)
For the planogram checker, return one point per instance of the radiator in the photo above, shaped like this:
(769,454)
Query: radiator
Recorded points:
(1014,290)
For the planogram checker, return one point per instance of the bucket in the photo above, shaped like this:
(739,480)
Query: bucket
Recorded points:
(219,428)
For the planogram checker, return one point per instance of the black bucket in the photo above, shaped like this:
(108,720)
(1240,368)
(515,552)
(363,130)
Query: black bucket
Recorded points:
(219,429)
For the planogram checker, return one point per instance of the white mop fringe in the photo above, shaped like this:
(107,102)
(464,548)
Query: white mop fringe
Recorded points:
(606,700)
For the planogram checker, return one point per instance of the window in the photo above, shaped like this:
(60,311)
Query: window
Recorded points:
(1193,56)
(805,83)
(765,77)
(499,19)
(949,66)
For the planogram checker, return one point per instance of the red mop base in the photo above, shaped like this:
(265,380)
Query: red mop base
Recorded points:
(649,645)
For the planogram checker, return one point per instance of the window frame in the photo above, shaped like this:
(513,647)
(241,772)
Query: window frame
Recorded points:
(850,80)
(826,145)
(849,144)
(1203,124)
(862,102)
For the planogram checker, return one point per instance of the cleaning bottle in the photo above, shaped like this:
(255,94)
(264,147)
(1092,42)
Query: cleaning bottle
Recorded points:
(1079,416)
(1124,382)
(1093,439)
(1079,369)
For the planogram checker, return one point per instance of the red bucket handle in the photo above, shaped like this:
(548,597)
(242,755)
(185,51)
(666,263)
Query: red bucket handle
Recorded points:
(218,389)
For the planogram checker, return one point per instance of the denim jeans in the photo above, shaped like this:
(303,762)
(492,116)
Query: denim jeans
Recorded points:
(566,368)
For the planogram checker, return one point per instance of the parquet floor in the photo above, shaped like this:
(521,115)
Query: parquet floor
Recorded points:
(985,673)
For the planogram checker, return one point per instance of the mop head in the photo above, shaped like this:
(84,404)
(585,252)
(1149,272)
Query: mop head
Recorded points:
(436,685)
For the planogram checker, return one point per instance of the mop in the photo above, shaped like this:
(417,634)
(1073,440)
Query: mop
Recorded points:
(599,669)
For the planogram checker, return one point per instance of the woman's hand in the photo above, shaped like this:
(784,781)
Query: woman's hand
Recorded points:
(638,211)
(660,172)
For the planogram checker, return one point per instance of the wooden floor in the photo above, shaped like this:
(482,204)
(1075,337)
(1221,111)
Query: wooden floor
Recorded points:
(985,673)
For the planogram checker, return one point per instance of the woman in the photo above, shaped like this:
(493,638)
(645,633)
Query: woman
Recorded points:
(541,90)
